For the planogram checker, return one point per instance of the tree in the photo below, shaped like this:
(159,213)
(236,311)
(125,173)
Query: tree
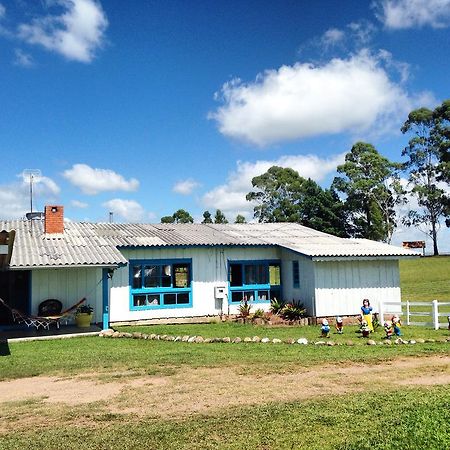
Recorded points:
(207,217)
(282,195)
(240,219)
(372,190)
(167,219)
(427,153)
(220,217)
(179,216)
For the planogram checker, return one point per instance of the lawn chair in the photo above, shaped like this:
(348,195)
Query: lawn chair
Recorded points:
(43,321)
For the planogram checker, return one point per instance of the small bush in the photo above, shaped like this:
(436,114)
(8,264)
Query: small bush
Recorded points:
(259,314)
(276,306)
(244,310)
(293,311)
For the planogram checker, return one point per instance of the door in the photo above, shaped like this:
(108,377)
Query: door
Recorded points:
(14,290)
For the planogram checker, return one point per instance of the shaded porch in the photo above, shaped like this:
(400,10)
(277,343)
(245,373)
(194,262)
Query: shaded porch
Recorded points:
(22,333)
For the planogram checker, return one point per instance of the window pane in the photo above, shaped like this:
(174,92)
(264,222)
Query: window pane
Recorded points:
(275,294)
(236,275)
(295,274)
(274,272)
(166,276)
(183,298)
(153,299)
(236,296)
(263,295)
(255,274)
(181,275)
(170,299)
(249,296)
(137,277)
(152,276)
(138,300)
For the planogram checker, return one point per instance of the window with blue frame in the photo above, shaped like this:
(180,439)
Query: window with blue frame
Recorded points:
(295,275)
(254,281)
(160,284)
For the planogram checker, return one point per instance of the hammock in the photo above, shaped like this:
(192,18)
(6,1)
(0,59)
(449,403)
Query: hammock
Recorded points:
(43,321)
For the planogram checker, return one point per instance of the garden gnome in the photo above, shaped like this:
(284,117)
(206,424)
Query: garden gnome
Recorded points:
(388,329)
(365,330)
(325,328)
(339,325)
(396,323)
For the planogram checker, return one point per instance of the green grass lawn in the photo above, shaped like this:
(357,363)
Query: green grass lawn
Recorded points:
(424,279)
(410,419)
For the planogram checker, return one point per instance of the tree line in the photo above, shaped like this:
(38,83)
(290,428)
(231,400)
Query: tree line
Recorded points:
(364,199)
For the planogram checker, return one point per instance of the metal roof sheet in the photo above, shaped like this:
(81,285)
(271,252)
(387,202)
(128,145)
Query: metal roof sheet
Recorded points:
(99,243)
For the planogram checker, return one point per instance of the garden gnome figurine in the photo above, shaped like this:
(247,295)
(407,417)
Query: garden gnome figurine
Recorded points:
(365,330)
(396,324)
(325,328)
(388,329)
(339,325)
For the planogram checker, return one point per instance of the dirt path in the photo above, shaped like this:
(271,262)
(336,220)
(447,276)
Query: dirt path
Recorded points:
(191,391)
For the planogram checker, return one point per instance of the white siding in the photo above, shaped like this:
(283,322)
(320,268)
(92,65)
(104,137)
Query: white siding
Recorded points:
(342,285)
(67,285)
(209,269)
(305,293)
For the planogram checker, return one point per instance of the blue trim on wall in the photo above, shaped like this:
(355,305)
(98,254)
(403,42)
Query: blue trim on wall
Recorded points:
(159,291)
(253,287)
(105,299)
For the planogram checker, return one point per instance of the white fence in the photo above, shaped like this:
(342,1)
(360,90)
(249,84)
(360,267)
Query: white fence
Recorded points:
(404,309)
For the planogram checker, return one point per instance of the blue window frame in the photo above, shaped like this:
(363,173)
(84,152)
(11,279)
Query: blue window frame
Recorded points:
(295,274)
(254,281)
(160,283)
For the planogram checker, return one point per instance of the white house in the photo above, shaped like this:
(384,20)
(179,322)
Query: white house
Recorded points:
(133,272)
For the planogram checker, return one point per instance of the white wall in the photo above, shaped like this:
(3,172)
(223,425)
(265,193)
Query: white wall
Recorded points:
(305,292)
(68,285)
(342,285)
(209,269)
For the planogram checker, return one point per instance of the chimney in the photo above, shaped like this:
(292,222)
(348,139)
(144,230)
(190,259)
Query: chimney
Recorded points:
(54,219)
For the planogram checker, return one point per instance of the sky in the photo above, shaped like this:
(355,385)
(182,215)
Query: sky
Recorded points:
(141,108)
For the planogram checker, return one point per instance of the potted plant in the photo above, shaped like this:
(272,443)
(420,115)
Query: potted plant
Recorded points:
(83,316)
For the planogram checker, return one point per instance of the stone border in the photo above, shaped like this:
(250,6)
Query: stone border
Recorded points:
(110,333)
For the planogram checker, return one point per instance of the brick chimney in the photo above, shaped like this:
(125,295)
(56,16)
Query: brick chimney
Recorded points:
(54,219)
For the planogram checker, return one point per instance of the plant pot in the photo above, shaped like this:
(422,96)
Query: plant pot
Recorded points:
(83,320)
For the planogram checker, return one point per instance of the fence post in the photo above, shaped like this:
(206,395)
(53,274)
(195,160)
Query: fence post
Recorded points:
(435,314)
(408,321)
(381,310)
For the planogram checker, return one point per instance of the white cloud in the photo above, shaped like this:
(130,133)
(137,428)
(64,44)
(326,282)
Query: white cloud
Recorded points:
(402,14)
(128,210)
(332,37)
(22,59)
(76,34)
(78,204)
(230,197)
(92,180)
(353,95)
(2,11)
(15,197)
(185,187)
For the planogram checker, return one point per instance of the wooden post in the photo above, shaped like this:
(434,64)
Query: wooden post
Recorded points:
(435,314)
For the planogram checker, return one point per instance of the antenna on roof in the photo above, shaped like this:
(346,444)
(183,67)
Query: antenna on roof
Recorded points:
(111,217)
(32,174)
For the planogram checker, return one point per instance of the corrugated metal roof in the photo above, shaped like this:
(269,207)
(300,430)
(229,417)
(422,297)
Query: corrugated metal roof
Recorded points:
(99,243)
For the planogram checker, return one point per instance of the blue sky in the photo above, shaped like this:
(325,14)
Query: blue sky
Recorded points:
(145,107)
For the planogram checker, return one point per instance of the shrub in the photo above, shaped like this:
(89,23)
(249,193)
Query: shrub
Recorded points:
(259,314)
(244,309)
(276,306)
(293,311)
(86,309)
